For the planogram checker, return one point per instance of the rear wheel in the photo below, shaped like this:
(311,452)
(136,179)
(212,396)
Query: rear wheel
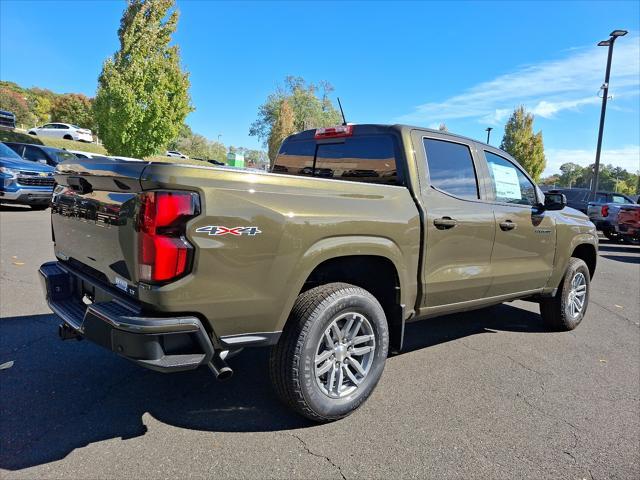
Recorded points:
(567,308)
(331,353)
(68,137)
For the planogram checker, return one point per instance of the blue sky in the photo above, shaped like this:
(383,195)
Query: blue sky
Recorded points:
(466,64)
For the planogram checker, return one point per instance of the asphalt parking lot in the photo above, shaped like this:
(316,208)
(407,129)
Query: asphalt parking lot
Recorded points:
(486,394)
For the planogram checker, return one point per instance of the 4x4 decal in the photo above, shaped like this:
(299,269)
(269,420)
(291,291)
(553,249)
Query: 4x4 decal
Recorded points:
(220,230)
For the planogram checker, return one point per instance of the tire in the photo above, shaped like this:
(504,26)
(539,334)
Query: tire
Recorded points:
(67,137)
(292,365)
(557,312)
(33,133)
(39,207)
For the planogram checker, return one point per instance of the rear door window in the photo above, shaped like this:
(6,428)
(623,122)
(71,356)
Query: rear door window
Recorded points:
(451,168)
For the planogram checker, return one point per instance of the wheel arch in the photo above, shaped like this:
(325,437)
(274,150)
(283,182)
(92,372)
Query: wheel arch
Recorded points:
(588,254)
(373,263)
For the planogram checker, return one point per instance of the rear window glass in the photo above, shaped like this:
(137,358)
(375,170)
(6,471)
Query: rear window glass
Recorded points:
(370,159)
(296,158)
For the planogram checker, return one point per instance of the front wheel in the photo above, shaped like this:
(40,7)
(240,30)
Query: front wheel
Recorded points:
(331,353)
(567,308)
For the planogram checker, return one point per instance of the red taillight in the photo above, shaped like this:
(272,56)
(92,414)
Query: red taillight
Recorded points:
(334,132)
(604,211)
(163,252)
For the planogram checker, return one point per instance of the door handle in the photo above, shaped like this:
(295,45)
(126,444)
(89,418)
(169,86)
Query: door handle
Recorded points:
(445,223)
(507,225)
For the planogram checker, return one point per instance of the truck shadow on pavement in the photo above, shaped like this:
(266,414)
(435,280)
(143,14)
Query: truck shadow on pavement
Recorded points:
(61,396)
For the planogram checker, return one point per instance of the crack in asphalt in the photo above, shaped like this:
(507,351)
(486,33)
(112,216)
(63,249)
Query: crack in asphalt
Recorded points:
(517,362)
(304,445)
(616,314)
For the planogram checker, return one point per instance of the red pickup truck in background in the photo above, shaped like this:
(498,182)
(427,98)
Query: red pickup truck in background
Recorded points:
(628,224)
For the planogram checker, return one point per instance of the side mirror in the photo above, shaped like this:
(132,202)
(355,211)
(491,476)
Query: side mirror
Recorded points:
(554,201)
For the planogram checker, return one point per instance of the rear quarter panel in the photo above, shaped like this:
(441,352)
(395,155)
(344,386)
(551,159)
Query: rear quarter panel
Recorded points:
(248,284)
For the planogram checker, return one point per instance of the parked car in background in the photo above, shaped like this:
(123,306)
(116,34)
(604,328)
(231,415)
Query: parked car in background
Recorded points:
(603,211)
(81,154)
(66,131)
(127,159)
(173,153)
(7,120)
(628,223)
(41,153)
(24,182)
(579,198)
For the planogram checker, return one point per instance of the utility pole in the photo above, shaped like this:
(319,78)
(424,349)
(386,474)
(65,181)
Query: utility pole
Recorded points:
(488,129)
(605,95)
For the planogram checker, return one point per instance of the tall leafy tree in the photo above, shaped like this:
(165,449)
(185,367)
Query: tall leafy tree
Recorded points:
(143,97)
(73,108)
(570,173)
(283,127)
(309,104)
(524,145)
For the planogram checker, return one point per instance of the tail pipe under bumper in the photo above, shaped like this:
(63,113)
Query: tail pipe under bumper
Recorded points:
(158,343)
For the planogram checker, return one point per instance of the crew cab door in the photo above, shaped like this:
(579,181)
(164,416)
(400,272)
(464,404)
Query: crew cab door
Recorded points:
(525,235)
(459,225)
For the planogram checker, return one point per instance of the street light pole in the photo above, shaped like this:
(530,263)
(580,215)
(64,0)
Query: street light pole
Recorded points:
(488,129)
(605,95)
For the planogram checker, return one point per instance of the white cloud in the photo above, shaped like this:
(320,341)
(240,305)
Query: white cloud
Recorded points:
(546,88)
(626,157)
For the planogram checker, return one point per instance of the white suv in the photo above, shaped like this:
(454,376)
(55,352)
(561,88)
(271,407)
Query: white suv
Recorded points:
(63,130)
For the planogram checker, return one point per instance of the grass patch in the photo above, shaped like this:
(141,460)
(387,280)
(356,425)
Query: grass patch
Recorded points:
(7,136)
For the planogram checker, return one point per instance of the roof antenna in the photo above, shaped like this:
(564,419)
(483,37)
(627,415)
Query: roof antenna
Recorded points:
(344,120)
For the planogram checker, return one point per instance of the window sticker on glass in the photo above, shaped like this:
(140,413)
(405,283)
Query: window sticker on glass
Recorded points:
(506,182)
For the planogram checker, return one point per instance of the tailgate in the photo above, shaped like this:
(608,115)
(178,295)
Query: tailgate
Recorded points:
(93,217)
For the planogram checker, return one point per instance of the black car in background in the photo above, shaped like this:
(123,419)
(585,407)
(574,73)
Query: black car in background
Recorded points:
(40,153)
(579,198)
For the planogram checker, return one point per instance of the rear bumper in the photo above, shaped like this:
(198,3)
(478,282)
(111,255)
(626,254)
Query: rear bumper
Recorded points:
(117,324)
(626,229)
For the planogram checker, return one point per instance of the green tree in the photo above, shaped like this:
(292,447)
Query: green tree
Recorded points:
(16,103)
(570,172)
(40,103)
(283,127)
(310,106)
(524,145)
(73,108)
(143,97)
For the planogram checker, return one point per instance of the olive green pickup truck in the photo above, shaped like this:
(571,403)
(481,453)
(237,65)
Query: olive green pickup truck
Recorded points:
(357,230)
